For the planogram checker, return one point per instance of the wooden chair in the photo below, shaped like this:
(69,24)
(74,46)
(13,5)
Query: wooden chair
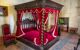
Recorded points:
(7,37)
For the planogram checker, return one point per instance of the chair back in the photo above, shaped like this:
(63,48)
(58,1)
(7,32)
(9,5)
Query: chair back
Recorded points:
(6,29)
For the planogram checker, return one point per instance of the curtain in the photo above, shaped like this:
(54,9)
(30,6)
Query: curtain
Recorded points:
(11,22)
(37,14)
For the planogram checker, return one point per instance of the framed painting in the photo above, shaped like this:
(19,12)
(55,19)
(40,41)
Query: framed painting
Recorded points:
(3,11)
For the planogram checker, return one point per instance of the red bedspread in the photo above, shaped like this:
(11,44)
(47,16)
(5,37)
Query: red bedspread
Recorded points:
(34,36)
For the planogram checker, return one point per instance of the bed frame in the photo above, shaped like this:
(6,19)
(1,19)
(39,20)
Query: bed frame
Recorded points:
(40,4)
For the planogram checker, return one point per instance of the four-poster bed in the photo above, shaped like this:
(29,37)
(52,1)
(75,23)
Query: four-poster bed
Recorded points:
(37,23)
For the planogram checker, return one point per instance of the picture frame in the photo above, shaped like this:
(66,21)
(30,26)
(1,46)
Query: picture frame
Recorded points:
(3,11)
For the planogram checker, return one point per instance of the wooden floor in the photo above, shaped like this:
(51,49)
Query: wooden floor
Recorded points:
(63,35)
(12,47)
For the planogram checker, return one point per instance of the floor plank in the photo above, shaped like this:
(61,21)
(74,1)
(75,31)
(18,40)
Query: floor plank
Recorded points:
(11,47)
(71,41)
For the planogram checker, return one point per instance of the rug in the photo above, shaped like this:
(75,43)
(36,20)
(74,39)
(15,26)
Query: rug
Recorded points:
(67,43)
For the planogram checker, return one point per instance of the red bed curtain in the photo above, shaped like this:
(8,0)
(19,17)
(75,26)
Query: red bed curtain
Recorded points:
(37,13)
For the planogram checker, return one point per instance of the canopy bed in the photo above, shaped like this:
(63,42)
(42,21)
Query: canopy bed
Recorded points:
(37,23)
